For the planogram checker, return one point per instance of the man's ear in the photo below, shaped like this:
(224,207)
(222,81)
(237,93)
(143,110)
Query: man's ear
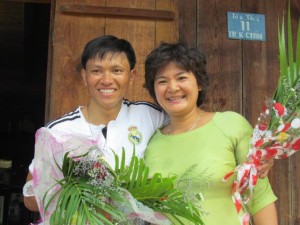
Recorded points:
(133,73)
(83,75)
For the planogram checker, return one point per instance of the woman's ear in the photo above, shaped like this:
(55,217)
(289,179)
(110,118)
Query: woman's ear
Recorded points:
(199,87)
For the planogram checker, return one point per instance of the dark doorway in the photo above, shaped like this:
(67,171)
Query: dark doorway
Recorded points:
(24,33)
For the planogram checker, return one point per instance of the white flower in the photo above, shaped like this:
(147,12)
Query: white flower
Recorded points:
(281,126)
(267,111)
(295,123)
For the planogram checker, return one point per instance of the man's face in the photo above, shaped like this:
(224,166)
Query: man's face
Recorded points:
(108,79)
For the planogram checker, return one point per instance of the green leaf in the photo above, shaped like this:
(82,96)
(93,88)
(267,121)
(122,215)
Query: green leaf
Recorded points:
(288,88)
(151,191)
(80,201)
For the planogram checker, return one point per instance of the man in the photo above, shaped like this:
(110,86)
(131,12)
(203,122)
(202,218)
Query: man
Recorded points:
(108,69)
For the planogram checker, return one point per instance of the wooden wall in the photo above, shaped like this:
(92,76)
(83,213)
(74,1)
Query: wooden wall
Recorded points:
(243,74)
(70,31)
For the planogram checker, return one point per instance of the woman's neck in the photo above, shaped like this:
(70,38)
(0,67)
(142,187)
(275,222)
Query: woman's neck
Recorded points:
(182,124)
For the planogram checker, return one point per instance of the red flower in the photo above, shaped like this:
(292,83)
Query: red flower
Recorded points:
(271,152)
(263,126)
(296,145)
(97,165)
(259,143)
(286,127)
(280,109)
(258,154)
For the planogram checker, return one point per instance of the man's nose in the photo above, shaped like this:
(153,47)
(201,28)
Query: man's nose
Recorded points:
(106,78)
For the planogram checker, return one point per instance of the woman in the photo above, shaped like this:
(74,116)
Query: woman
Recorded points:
(214,142)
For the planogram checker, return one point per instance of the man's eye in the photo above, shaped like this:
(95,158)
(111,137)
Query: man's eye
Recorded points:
(95,71)
(117,71)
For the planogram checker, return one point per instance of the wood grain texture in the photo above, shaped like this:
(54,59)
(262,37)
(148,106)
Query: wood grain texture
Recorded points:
(224,63)
(70,32)
(188,22)
(242,73)
(260,77)
(118,12)
(69,35)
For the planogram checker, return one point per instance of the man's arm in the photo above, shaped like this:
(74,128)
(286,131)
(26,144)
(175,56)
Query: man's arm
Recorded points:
(29,198)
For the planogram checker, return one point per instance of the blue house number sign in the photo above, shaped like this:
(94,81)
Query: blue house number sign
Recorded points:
(246,26)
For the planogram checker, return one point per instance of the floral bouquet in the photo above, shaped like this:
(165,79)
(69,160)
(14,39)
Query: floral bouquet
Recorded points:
(277,133)
(83,189)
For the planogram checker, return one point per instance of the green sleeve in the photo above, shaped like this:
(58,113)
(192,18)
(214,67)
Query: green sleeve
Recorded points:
(263,196)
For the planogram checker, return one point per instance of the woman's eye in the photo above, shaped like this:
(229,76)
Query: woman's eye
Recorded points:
(161,81)
(182,78)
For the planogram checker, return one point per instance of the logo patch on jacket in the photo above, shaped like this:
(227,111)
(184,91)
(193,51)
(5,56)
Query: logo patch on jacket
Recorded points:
(134,136)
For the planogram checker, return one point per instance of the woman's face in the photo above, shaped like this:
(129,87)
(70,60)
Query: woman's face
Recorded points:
(176,90)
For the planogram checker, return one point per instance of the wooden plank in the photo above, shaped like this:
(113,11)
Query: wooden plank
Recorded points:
(31,1)
(223,55)
(260,64)
(166,31)
(68,36)
(187,12)
(260,74)
(293,171)
(142,34)
(119,12)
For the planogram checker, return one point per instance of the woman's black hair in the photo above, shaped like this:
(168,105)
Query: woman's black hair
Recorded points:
(189,59)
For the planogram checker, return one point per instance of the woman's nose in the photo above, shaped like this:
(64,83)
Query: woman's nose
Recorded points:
(173,86)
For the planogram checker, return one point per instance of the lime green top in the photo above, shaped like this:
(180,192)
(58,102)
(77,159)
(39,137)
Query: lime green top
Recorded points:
(216,148)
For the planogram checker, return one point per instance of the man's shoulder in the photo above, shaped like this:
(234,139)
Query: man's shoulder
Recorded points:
(141,105)
(65,120)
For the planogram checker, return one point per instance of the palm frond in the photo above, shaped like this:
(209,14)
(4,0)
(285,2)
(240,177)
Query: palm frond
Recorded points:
(157,192)
(288,64)
(288,88)
(78,201)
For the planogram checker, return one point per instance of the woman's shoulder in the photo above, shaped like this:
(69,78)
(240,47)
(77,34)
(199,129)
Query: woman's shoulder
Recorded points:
(230,117)
(230,121)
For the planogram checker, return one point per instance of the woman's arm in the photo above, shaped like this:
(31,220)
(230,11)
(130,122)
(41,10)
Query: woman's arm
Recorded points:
(266,216)
(30,201)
